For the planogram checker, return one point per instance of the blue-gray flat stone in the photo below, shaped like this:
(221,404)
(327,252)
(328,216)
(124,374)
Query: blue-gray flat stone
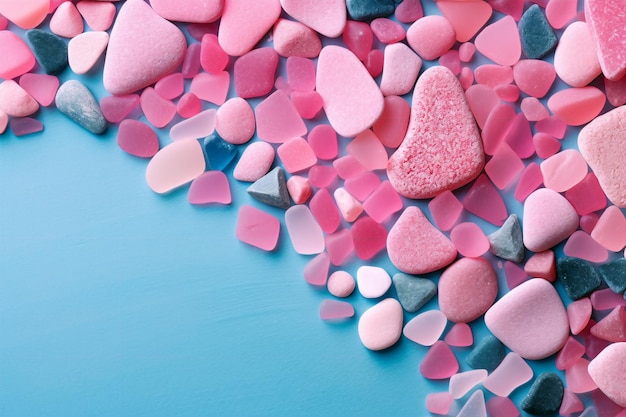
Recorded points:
(370,9)
(271,189)
(76,101)
(545,395)
(413,292)
(536,34)
(614,275)
(50,50)
(579,277)
(507,242)
(487,354)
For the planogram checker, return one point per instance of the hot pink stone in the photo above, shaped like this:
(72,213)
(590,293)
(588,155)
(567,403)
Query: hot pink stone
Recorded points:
(608,371)
(374,62)
(548,219)
(362,185)
(15,101)
(18,58)
(530,179)
(244,24)
(323,141)
(391,126)
(578,314)
(188,105)
(191,62)
(175,165)
(368,150)
(257,228)
(299,188)
(254,72)
(552,126)
(211,87)
(42,87)
(137,138)
(328,17)
(577,106)
(210,187)
(500,42)
(380,326)
(607,23)
(198,30)
(383,202)
(484,200)
(358,37)
(170,86)
(322,176)
(545,145)
(439,362)
(300,73)
(235,122)
(212,57)
(99,15)
(533,109)
(467,18)
(25,125)
(615,91)
(513,8)
(534,77)
(514,274)
(196,127)
(504,166)
(564,170)
(307,103)
(575,58)
(369,237)
(408,11)
(496,127)
(501,407)
(188,11)
(460,335)
(348,167)
(296,155)
(431,36)
(277,120)
(66,21)
(255,162)
(400,69)
(307,237)
(482,100)
(512,372)
(316,270)
(336,310)
(340,284)
(295,39)
(438,402)
(349,206)
(325,210)
(445,209)
(387,31)
(610,231)
(157,110)
(541,265)
(569,354)
(606,299)
(581,245)
(578,379)
(425,328)
(4,22)
(571,404)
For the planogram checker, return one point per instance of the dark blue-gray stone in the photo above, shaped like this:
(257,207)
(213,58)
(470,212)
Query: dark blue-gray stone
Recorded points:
(49,49)
(413,292)
(370,9)
(76,101)
(536,34)
(487,354)
(217,152)
(614,275)
(507,242)
(545,395)
(579,277)
(271,189)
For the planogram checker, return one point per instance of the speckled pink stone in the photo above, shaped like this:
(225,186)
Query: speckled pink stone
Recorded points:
(607,22)
(295,39)
(255,161)
(608,371)
(380,326)
(400,69)
(192,11)
(234,121)
(512,372)
(548,219)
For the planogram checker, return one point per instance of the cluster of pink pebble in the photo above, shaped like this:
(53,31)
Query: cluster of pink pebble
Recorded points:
(483,126)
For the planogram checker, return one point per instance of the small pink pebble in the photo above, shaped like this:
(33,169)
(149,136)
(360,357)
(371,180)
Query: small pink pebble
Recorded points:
(358,37)
(512,372)
(383,202)
(170,86)
(520,137)
(18,58)
(610,231)
(575,58)
(15,101)
(514,274)
(408,11)
(348,167)
(500,42)
(469,240)
(445,209)
(322,176)
(42,87)
(362,184)
(466,79)
(211,87)
(299,188)
(484,201)
(349,207)
(431,36)
(339,246)
(85,49)
(244,24)
(380,326)
(327,18)
(438,402)
(197,11)
(504,166)
(374,62)
(307,103)
(615,91)
(508,92)
(425,328)
(581,245)
(196,127)
(463,382)
(569,354)
(502,407)
(306,235)
(116,108)
(534,77)
(451,61)
(234,121)
(552,126)
(66,21)
(137,138)
(158,110)
(612,327)
(296,155)
(460,335)
(255,162)
(188,105)
(387,31)
(541,265)
(336,310)
(325,210)
(466,17)
(277,120)
(369,237)
(340,284)
(254,72)
(578,379)
(466,51)
(608,371)
(391,126)
(533,109)
(439,362)
(545,145)
(482,100)
(99,15)
(560,12)
(368,150)
(588,222)
(300,74)
(25,125)
(372,281)
(257,228)
(577,106)
(400,69)
(25,14)
(323,140)
(213,59)
(493,75)
(295,39)
(210,187)
(174,165)
(564,170)
(316,270)
(578,314)
(607,23)
(571,404)
(606,299)
(191,63)
(529,180)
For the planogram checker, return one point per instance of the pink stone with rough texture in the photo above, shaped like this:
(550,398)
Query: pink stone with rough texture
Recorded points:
(469,240)
(460,335)
(254,72)
(322,176)
(210,187)
(316,270)
(612,327)
(194,11)
(358,38)
(174,165)
(563,170)
(42,87)
(581,245)
(438,402)
(244,24)
(325,210)
(575,58)
(85,49)
(577,106)
(328,17)
(504,166)
(606,299)
(362,185)
(400,69)
(425,328)
(383,202)
(548,219)
(211,87)
(296,155)
(15,101)
(188,105)
(578,379)
(608,371)
(502,407)
(196,127)
(277,120)
(533,109)
(391,126)
(18,58)
(530,179)
(340,284)
(349,207)
(137,138)
(534,77)
(610,231)
(372,281)
(482,100)
(500,42)
(255,162)
(170,86)
(541,265)
(157,110)
(431,36)
(439,362)
(336,310)
(368,150)
(295,39)
(299,188)
(607,23)
(25,14)
(213,59)
(387,31)
(512,372)
(323,141)
(463,382)
(578,314)
(467,17)
(484,201)
(369,237)
(339,246)
(307,237)
(66,21)
(99,15)
(380,326)
(415,246)
(257,228)
(445,209)
(234,121)
(493,75)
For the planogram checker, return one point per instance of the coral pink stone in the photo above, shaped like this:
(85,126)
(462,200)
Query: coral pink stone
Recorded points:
(340,284)
(157,110)
(504,166)
(575,58)
(325,210)
(307,237)
(339,246)
(335,310)
(425,328)
(578,379)
(577,106)
(391,126)
(175,165)
(469,239)
(431,36)
(295,39)
(99,15)
(254,72)
(534,77)
(512,372)
(210,187)
(380,326)
(529,180)
(608,371)
(610,231)
(328,17)
(445,209)
(316,271)
(137,138)
(466,51)
(607,23)
(257,228)
(500,42)
(296,155)
(322,176)
(533,109)
(277,120)
(383,202)
(42,87)
(255,162)
(484,201)
(244,24)
(25,14)
(66,21)
(211,87)
(235,122)
(541,265)
(460,335)
(439,362)
(362,184)
(581,245)
(299,188)
(563,170)
(116,108)
(323,141)
(387,31)
(358,37)
(465,17)
(197,11)
(578,314)
(188,105)
(18,58)
(369,237)
(482,100)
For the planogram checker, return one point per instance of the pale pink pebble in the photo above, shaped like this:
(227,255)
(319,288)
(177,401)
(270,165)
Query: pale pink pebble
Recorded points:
(372,281)
(520,137)
(466,51)
(210,187)
(85,49)
(244,24)
(534,77)
(610,231)
(196,127)
(300,73)
(323,141)
(512,372)
(612,327)
(362,185)
(400,69)
(307,103)
(198,30)
(578,314)
(191,63)
(257,228)
(296,155)
(349,207)
(4,120)
(575,58)
(431,36)
(188,105)
(529,180)
(500,42)
(277,119)
(501,407)
(307,237)
(234,121)
(577,106)
(545,145)
(514,320)
(137,138)
(492,75)
(415,246)
(18,58)
(426,328)
(157,110)
(504,166)
(382,202)
(322,176)
(254,72)
(369,237)
(295,39)
(438,402)
(439,362)
(358,37)
(469,239)
(15,101)
(615,91)
(474,406)
(607,23)
(466,78)
(569,354)
(66,21)
(606,299)
(348,167)
(577,377)
(211,87)
(408,11)
(391,126)
(552,126)
(467,18)
(564,170)
(340,284)
(560,12)
(463,382)
(593,345)
(316,270)
(380,326)
(507,92)
(451,61)
(170,86)
(325,210)
(482,100)
(460,335)
(340,246)
(328,17)
(541,265)
(199,11)
(514,274)
(588,222)
(533,109)
(497,126)
(213,59)
(174,165)
(299,188)
(548,219)
(42,87)
(25,14)
(25,125)
(387,31)
(99,15)
(445,209)
(571,404)
(374,62)
(255,162)
(336,310)
(484,201)
(368,150)
(581,245)
(340,75)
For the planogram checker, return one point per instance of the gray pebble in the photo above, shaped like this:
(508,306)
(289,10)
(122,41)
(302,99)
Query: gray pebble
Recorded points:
(507,242)
(271,189)
(413,292)
(76,101)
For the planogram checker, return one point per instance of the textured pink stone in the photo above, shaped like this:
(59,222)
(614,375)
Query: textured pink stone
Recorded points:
(560,12)
(485,201)
(469,239)
(383,202)
(368,150)
(15,101)
(415,246)
(578,314)
(323,140)
(439,362)
(577,106)
(438,402)
(575,58)
(400,69)
(235,121)
(431,36)
(514,274)
(612,327)
(362,185)
(610,231)
(42,87)
(369,237)
(467,18)
(349,207)
(387,31)
(460,335)
(534,77)
(18,57)
(335,310)
(541,265)
(325,210)
(254,72)
(307,103)
(380,326)
(66,21)
(174,165)
(358,37)
(445,209)
(244,24)
(581,245)
(502,407)
(277,120)
(552,126)
(500,42)
(615,91)
(348,167)
(300,74)
(533,109)
(188,105)
(170,86)
(572,351)
(116,108)
(578,379)
(608,371)
(316,270)
(563,170)
(504,166)
(425,328)
(99,15)
(328,17)
(25,14)
(372,281)
(257,228)
(571,404)
(339,246)
(496,127)
(546,146)
(255,162)
(85,49)
(188,11)
(296,155)
(493,75)
(295,39)
(408,11)
(482,100)
(463,382)
(391,126)
(607,23)
(606,299)
(340,284)
(157,110)
(210,187)
(211,87)
(196,127)
(529,180)
(306,235)
(137,138)
(25,125)
(322,176)
(299,188)
(512,372)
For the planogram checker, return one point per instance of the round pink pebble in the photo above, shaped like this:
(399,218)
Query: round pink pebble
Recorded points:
(575,58)
(466,51)
(244,24)
(534,77)
(380,326)
(336,310)
(431,36)
(18,58)
(469,240)
(307,237)
(530,320)
(255,162)
(137,138)
(15,101)
(500,42)
(340,284)
(235,121)
(559,12)
(387,31)
(295,39)
(608,371)
(42,87)
(257,228)
(189,105)
(577,106)
(85,49)
(467,289)
(198,11)
(563,170)
(210,187)
(99,15)
(374,62)
(328,17)
(460,335)
(174,165)
(66,21)
(548,219)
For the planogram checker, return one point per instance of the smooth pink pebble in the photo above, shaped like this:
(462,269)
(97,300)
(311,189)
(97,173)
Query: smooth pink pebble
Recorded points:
(42,87)
(137,138)
(174,165)
(210,187)
(257,228)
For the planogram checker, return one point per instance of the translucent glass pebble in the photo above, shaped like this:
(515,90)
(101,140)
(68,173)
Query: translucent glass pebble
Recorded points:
(485,201)
(335,310)
(460,335)
(610,231)
(369,237)
(372,281)
(581,245)
(439,362)
(445,209)
(316,270)
(116,108)
(42,87)
(325,210)
(383,202)
(578,379)
(569,354)
(188,105)
(578,314)
(510,374)
(425,328)
(213,59)
(277,120)
(514,275)
(174,165)
(196,127)
(469,239)
(170,86)
(219,153)
(254,72)
(307,103)
(463,382)
(358,37)
(210,187)
(530,179)
(300,73)
(368,150)
(25,125)
(500,41)
(392,124)
(257,228)
(502,407)
(504,166)
(439,402)
(307,237)
(339,246)
(158,110)
(362,185)
(296,155)
(323,141)
(211,87)
(137,138)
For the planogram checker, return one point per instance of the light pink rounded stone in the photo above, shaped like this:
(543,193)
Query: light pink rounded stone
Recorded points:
(15,101)
(469,239)
(575,58)
(563,170)
(548,219)
(380,326)
(400,70)
(340,284)
(530,320)
(608,371)
(577,106)
(500,42)
(255,161)
(295,39)
(174,165)
(307,237)
(18,58)
(192,11)
(431,36)
(66,21)
(235,121)
(336,310)
(84,50)
(372,281)
(99,15)
(244,24)
(534,76)
(328,17)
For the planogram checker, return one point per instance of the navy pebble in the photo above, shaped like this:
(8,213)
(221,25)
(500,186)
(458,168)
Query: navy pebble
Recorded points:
(50,50)
(487,354)
(614,274)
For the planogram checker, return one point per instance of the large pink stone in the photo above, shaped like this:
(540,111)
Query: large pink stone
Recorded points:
(575,57)
(500,42)
(607,22)
(577,106)
(18,58)
(25,14)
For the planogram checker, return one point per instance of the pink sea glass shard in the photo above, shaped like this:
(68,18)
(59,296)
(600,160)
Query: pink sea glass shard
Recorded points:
(615,91)
(581,245)
(545,145)
(451,61)
(307,103)
(605,406)
(513,8)
(578,315)
(296,155)
(493,75)
(541,265)
(375,62)
(322,176)
(170,86)
(211,87)
(210,187)
(339,246)
(368,150)
(137,138)
(485,201)
(277,120)
(504,166)
(391,126)
(191,62)
(439,362)
(336,310)
(514,275)
(369,237)
(19,59)
(299,188)
(500,42)
(99,15)
(508,92)
(564,170)
(323,141)
(502,407)
(316,270)
(533,109)
(175,165)
(512,372)
(26,14)
(438,402)
(254,72)
(578,379)
(300,73)
(196,127)
(520,138)
(466,17)
(349,207)
(460,335)
(348,167)
(552,126)
(198,30)
(213,59)
(612,327)
(571,351)
(42,87)
(257,228)
(157,110)
(577,106)
(307,237)
(571,404)
(383,202)
(529,180)
(469,240)
(607,23)
(606,299)
(358,37)
(610,231)
(188,105)
(445,209)
(588,222)
(116,108)
(496,127)
(362,185)
(482,100)
(325,210)
(387,31)
(425,328)
(463,382)
(466,51)
(22,126)
(408,11)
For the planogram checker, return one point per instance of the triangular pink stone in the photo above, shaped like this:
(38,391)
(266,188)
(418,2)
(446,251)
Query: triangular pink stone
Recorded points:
(500,42)
(612,327)
(328,17)
(607,22)
(439,362)
(466,17)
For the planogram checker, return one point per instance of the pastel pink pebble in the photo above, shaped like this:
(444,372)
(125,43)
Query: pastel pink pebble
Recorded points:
(307,103)
(438,402)
(512,372)
(157,110)
(369,237)
(469,239)
(501,407)
(300,74)
(25,125)
(3,22)
(451,61)
(608,371)
(15,101)
(439,362)
(325,210)
(196,127)
(431,36)
(425,328)
(234,121)
(578,379)
(316,270)
(504,166)
(198,11)
(335,310)
(323,141)
(328,17)
(400,69)
(575,58)
(349,207)
(358,37)
(374,62)
(546,146)
(541,265)
(577,106)
(368,150)
(299,188)
(116,108)
(348,167)
(322,176)
(391,126)
(466,51)
(244,24)
(255,162)
(210,187)
(445,209)
(500,42)
(383,202)
(42,87)
(4,121)
(188,105)
(514,274)
(615,91)
(606,299)
(213,59)
(581,245)
(85,49)
(578,314)
(66,21)
(460,335)
(493,75)
(99,15)
(548,219)
(254,72)
(277,120)
(463,382)
(170,86)
(211,87)
(534,76)
(610,231)
(530,320)
(174,165)
(352,100)
(607,23)
(387,31)
(467,17)
(482,100)
(362,185)
(408,11)
(571,404)
(529,180)
(137,138)
(415,246)
(340,284)
(295,39)
(484,201)
(563,170)
(380,326)
(551,125)
(520,137)
(560,12)
(307,237)
(339,246)
(612,327)
(372,281)
(508,92)
(296,155)
(25,14)
(18,58)
(257,228)
(605,406)
(533,109)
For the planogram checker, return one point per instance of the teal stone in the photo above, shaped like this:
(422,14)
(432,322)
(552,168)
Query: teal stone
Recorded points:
(545,395)
(218,153)
(413,292)
(507,242)
(74,100)
(487,354)
(614,275)
(271,189)
(49,49)
(536,34)
(365,10)
(579,277)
